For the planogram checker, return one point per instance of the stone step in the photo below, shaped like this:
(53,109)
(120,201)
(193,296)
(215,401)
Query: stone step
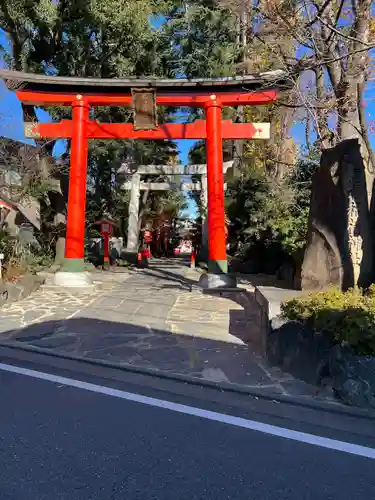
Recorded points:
(84,290)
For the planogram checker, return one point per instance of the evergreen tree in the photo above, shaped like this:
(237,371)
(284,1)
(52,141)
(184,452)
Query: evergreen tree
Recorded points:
(98,38)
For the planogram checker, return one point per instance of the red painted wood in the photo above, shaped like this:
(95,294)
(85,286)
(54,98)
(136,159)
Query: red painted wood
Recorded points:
(80,129)
(215,183)
(106,247)
(196,130)
(189,99)
(75,229)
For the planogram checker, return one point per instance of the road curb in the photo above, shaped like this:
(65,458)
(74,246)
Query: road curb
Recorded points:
(315,404)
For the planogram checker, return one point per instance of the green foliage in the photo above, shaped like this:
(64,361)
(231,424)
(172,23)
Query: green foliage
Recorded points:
(95,38)
(34,262)
(289,227)
(347,317)
(81,38)
(170,203)
(203,37)
(266,212)
(6,245)
(247,202)
(20,259)
(196,156)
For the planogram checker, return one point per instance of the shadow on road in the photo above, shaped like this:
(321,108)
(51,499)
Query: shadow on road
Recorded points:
(161,269)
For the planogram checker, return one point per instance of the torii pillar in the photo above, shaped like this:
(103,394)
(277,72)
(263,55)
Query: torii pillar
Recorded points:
(73,272)
(204,224)
(217,276)
(133,222)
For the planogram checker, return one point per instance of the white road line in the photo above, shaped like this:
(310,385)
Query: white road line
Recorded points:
(302,437)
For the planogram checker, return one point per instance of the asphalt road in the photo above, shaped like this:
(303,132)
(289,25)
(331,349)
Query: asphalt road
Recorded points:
(61,442)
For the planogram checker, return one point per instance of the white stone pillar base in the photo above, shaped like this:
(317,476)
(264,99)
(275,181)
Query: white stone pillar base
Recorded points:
(78,281)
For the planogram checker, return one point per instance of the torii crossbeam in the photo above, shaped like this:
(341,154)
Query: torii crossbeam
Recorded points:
(144,96)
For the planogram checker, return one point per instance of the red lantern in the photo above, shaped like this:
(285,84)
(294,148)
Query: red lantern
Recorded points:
(148,237)
(106,229)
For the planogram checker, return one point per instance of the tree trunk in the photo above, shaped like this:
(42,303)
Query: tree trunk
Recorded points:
(325,136)
(285,149)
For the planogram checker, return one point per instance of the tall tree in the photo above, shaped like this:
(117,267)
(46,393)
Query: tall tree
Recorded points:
(331,65)
(95,38)
(202,39)
(330,69)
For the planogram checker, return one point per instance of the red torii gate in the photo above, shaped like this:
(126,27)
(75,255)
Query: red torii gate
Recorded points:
(144,95)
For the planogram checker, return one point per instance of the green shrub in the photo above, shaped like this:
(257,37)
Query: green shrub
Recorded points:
(7,244)
(35,261)
(20,259)
(347,317)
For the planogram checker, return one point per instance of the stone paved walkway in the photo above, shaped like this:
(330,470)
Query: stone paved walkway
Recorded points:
(150,319)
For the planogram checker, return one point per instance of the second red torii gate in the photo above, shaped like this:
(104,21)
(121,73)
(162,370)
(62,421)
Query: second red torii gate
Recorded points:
(83,94)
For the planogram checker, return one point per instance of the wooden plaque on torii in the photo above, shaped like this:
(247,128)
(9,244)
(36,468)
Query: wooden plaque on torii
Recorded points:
(144,109)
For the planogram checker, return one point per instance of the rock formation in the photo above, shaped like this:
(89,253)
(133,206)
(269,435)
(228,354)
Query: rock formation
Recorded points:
(339,240)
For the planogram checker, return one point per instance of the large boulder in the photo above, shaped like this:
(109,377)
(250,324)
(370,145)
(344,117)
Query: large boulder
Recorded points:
(310,356)
(353,377)
(299,350)
(339,242)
